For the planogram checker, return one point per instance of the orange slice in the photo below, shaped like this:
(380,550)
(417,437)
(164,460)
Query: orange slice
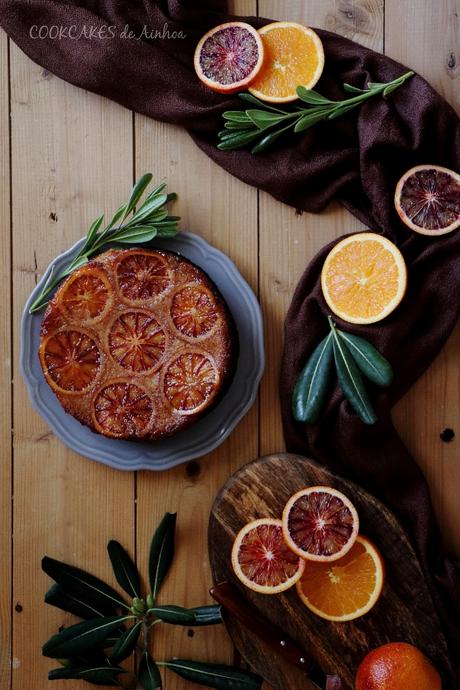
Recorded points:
(190,381)
(427,199)
(87,295)
(122,409)
(142,276)
(320,523)
(70,361)
(293,56)
(261,559)
(364,278)
(194,311)
(229,57)
(137,341)
(345,589)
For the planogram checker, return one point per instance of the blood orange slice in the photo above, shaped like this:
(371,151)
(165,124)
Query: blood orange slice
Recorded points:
(320,523)
(190,381)
(87,295)
(70,361)
(262,560)
(137,341)
(122,409)
(427,199)
(347,588)
(142,276)
(229,57)
(194,311)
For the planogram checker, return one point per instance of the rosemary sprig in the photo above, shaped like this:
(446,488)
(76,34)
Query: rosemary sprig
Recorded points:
(129,225)
(261,126)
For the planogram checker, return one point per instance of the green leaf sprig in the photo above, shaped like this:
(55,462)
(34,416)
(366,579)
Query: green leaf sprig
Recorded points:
(130,224)
(116,626)
(261,126)
(352,357)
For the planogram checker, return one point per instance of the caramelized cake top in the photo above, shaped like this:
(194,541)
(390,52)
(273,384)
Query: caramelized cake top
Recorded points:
(137,343)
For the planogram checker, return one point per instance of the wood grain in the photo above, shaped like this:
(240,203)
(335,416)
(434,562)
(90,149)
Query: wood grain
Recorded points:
(405,610)
(224,211)
(288,240)
(426,37)
(72,155)
(5,375)
(64,142)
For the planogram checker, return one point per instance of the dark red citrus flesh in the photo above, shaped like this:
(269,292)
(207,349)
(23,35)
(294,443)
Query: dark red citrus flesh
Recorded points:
(86,297)
(123,409)
(137,341)
(71,359)
(229,55)
(142,276)
(189,381)
(265,558)
(431,199)
(320,524)
(194,311)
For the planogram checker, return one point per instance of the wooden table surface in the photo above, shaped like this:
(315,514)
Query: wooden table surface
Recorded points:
(73,154)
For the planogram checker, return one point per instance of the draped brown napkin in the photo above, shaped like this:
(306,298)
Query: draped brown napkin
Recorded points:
(356,160)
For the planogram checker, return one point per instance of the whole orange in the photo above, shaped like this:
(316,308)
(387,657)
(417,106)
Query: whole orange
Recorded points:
(397,666)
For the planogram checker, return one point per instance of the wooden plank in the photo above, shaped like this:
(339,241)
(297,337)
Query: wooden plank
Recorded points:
(426,37)
(72,157)
(290,240)
(223,211)
(5,374)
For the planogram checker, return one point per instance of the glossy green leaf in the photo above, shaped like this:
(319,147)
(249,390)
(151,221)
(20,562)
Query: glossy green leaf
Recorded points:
(149,673)
(238,141)
(126,644)
(92,232)
(59,597)
(369,360)
(249,98)
(351,381)
(136,235)
(177,615)
(98,675)
(263,119)
(147,209)
(162,551)
(80,583)
(237,116)
(124,568)
(214,675)
(312,97)
(310,119)
(137,191)
(81,636)
(267,141)
(338,112)
(353,89)
(314,382)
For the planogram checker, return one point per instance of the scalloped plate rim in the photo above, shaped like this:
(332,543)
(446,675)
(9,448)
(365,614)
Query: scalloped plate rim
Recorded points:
(135,455)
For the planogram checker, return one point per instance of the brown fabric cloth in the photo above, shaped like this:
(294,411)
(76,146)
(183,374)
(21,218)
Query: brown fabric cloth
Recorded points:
(356,160)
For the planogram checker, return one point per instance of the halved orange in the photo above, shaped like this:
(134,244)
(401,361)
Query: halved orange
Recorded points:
(262,560)
(345,589)
(142,276)
(137,341)
(320,523)
(190,381)
(364,278)
(122,409)
(87,295)
(229,57)
(194,311)
(427,199)
(293,56)
(70,360)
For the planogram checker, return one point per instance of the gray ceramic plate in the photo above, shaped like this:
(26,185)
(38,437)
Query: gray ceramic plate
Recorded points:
(207,433)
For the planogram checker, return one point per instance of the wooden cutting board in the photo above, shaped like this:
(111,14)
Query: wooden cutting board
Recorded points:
(404,612)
